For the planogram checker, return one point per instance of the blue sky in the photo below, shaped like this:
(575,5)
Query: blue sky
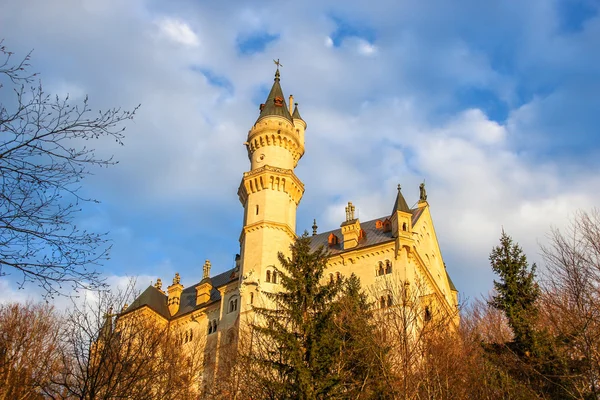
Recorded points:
(493,104)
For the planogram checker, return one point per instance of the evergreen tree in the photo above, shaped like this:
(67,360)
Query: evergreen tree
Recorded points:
(295,343)
(363,358)
(517,291)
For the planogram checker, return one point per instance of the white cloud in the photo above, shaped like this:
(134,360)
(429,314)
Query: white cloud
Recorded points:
(178,31)
(365,48)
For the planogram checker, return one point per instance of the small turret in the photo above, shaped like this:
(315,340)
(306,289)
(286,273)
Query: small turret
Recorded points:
(174,293)
(401,216)
(204,288)
(351,228)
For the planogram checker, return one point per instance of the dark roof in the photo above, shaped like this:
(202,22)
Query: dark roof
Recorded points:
(187,303)
(400,203)
(153,298)
(157,301)
(452,287)
(270,108)
(296,113)
(373,235)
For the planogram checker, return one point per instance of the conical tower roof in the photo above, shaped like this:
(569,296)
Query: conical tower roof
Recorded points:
(400,203)
(275,104)
(296,113)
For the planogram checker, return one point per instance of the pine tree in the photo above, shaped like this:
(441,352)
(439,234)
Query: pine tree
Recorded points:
(517,291)
(296,343)
(363,355)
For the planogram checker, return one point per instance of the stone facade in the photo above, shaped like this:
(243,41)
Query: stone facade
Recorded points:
(400,247)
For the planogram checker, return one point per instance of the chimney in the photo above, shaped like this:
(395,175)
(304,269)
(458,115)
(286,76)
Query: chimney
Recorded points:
(291,104)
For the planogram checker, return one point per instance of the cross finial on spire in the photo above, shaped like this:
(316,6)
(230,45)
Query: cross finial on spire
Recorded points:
(277,71)
(315,227)
(398,187)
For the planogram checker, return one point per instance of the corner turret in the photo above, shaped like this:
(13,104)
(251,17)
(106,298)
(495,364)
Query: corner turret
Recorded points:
(401,217)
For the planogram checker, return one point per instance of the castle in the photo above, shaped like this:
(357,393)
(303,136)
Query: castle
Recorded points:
(402,244)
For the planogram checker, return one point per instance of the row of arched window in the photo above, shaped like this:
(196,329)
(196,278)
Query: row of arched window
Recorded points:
(271,277)
(187,336)
(386,301)
(212,326)
(384,268)
(333,278)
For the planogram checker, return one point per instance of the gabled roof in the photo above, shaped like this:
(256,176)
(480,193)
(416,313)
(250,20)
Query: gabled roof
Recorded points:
(373,235)
(270,108)
(157,301)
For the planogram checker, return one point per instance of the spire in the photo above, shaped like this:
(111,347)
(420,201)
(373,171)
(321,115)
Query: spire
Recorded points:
(400,203)
(275,104)
(296,114)
(315,227)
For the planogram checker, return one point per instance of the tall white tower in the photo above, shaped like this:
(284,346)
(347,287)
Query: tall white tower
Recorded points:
(270,192)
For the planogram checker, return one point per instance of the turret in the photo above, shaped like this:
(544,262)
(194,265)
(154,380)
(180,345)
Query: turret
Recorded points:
(204,288)
(270,192)
(174,293)
(350,228)
(401,217)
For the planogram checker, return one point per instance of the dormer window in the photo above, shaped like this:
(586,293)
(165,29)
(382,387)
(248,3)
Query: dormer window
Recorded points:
(278,101)
(333,240)
(387,225)
(378,224)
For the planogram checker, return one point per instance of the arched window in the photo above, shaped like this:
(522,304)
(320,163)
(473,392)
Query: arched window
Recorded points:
(427,314)
(268,276)
(214,325)
(191,335)
(232,305)
(382,302)
(390,300)
(251,298)
(257,209)
(274,280)
(403,226)
(338,276)
(380,271)
(331,279)
(388,267)
(210,328)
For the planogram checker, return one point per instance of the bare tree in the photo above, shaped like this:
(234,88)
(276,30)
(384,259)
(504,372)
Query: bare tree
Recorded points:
(571,300)
(28,349)
(43,159)
(105,355)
